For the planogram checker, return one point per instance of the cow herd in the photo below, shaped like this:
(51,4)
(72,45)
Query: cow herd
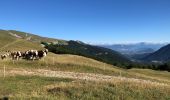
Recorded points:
(28,55)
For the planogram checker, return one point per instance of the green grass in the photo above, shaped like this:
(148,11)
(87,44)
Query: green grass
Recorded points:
(5,38)
(109,91)
(23,64)
(161,76)
(22,87)
(9,42)
(46,88)
(22,45)
(36,38)
(64,63)
(74,63)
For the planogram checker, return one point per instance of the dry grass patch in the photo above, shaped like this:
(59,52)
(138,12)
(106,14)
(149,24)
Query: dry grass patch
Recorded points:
(115,90)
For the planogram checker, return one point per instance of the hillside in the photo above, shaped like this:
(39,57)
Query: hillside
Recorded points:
(71,77)
(67,47)
(5,38)
(99,53)
(162,55)
(12,43)
(68,77)
(35,38)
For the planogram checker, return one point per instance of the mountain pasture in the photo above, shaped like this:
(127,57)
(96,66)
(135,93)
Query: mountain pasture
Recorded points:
(48,79)
(73,77)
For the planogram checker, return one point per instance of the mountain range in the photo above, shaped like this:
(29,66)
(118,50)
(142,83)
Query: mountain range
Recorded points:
(136,51)
(137,48)
(161,55)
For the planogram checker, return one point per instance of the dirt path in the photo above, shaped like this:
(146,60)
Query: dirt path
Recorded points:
(15,35)
(80,76)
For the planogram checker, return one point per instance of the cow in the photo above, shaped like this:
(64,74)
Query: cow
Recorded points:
(42,53)
(35,54)
(30,54)
(4,56)
(16,55)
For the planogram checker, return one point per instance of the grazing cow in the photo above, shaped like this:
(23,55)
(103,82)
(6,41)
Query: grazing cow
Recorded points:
(35,54)
(16,55)
(4,56)
(26,54)
(31,54)
(42,53)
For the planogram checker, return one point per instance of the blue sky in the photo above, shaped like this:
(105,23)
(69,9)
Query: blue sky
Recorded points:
(92,21)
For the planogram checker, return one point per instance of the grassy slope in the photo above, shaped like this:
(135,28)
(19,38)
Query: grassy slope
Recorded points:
(23,45)
(85,65)
(23,87)
(8,42)
(46,88)
(98,53)
(34,38)
(5,38)
(35,87)
(94,52)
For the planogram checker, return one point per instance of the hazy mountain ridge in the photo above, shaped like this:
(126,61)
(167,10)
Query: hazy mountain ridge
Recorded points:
(162,55)
(138,48)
